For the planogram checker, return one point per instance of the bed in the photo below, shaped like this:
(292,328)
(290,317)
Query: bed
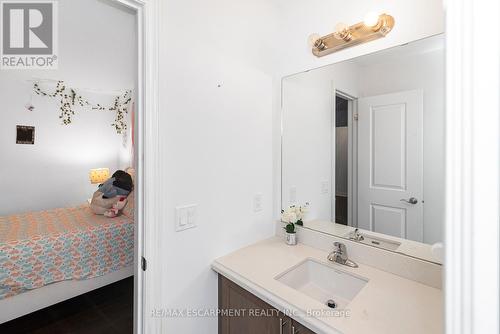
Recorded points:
(49,256)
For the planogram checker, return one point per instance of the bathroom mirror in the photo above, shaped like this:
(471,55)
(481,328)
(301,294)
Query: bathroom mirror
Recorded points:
(363,148)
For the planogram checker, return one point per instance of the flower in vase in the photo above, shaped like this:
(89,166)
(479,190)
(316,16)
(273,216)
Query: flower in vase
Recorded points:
(289,215)
(300,212)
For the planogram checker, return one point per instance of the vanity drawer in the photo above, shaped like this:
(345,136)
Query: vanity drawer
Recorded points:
(244,313)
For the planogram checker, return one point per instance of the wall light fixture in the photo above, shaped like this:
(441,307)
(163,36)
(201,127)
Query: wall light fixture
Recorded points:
(373,27)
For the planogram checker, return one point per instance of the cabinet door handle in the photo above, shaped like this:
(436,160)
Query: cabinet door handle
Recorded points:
(282,324)
(294,331)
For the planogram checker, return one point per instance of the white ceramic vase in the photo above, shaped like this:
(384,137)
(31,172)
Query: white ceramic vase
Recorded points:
(291,238)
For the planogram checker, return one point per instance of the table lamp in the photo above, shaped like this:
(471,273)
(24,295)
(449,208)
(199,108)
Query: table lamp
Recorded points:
(98,175)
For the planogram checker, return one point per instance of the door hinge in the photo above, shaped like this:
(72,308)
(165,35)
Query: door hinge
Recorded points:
(144,263)
(356,116)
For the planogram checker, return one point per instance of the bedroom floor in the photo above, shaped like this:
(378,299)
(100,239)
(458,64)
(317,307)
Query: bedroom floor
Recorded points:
(105,310)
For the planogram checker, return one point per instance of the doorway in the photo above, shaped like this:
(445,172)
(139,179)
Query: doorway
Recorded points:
(341,160)
(344,206)
(140,38)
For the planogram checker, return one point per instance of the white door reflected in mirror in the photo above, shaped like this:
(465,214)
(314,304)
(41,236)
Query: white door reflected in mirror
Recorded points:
(390,165)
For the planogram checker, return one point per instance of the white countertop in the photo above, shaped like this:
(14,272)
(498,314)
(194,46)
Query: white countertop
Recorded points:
(387,303)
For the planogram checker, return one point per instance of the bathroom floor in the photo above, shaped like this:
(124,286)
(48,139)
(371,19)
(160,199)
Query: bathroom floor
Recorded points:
(105,310)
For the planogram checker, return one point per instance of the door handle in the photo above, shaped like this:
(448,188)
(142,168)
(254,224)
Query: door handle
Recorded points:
(411,200)
(294,331)
(282,324)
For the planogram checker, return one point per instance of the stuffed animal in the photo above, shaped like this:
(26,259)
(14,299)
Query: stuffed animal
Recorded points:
(111,197)
(117,207)
(100,205)
(120,184)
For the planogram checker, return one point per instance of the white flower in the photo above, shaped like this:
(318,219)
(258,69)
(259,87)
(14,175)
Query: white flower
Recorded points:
(299,213)
(289,215)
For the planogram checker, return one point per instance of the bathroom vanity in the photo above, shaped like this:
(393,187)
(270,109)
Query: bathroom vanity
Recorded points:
(255,315)
(291,286)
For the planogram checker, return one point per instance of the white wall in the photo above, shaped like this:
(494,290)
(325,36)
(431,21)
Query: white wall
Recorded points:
(307,126)
(216,144)
(308,101)
(96,50)
(423,71)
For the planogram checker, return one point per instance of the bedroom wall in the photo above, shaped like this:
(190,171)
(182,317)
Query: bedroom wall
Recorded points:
(96,50)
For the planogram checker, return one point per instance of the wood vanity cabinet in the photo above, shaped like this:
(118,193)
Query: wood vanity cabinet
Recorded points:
(244,313)
(298,328)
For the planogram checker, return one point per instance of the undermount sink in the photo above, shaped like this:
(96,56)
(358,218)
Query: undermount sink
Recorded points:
(323,283)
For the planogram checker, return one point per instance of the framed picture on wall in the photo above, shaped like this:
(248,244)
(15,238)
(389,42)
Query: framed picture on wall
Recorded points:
(25,134)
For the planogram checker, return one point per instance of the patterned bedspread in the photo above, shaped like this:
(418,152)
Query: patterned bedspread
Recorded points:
(39,248)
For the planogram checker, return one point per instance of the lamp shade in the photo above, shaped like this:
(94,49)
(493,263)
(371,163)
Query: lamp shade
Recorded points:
(98,175)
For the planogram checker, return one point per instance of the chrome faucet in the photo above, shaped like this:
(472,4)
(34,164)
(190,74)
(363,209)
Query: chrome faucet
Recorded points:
(339,255)
(356,236)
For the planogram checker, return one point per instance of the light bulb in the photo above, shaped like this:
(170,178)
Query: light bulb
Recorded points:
(342,32)
(371,19)
(312,39)
(341,27)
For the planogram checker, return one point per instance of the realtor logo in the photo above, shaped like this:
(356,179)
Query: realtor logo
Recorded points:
(29,35)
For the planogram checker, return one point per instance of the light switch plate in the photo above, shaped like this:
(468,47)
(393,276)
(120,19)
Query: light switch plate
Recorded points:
(325,187)
(257,203)
(185,217)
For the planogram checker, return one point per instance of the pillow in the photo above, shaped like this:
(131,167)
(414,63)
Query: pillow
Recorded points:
(128,210)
